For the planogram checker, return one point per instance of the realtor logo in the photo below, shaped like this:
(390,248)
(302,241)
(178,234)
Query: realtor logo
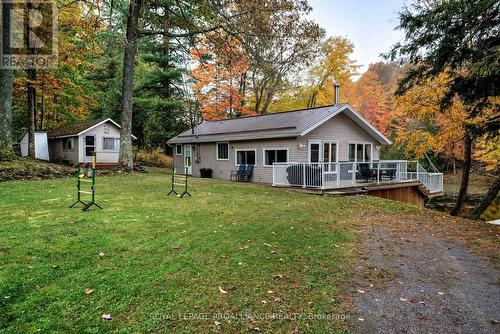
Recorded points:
(28,33)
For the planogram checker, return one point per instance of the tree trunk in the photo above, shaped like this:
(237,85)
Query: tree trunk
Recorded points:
(465,175)
(125,157)
(6,92)
(486,200)
(31,111)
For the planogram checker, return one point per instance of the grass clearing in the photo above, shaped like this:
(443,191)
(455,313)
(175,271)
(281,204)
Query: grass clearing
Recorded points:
(165,258)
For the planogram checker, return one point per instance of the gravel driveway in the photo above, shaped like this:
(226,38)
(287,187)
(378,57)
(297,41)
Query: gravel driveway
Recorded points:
(413,280)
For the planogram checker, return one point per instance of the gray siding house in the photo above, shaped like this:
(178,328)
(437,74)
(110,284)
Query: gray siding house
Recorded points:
(329,135)
(77,142)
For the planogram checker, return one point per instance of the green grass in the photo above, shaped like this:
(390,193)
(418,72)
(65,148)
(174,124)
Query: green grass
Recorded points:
(165,257)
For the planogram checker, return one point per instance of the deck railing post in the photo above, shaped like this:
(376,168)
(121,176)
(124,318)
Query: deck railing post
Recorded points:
(303,175)
(353,173)
(322,171)
(338,173)
(378,172)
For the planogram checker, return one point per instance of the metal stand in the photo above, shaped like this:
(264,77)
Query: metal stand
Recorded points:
(81,179)
(184,184)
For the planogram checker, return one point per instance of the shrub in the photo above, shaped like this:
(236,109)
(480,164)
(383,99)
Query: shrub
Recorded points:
(155,158)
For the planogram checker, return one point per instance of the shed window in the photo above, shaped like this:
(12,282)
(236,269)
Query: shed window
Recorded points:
(69,144)
(110,144)
(178,149)
(275,155)
(245,157)
(222,151)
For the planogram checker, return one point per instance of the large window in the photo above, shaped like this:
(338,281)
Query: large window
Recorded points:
(275,155)
(360,152)
(178,149)
(222,151)
(110,144)
(69,144)
(245,157)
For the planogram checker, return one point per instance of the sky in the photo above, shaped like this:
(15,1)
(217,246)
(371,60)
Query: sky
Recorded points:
(369,24)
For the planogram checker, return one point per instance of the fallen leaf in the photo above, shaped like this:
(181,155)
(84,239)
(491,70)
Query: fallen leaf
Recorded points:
(222,290)
(440,293)
(217,323)
(268,245)
(276,299)
(402,299)
(101,254)
(361,319)
(106,316)
(88,291)
(270,291)
(263,301)
(168,278)
(257,329)
(361,291)
(280,276)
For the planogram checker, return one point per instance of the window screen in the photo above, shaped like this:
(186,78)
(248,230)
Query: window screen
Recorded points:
(222,151)
(245,157)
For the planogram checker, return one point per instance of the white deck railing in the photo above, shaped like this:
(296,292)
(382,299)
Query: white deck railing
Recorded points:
(348,174)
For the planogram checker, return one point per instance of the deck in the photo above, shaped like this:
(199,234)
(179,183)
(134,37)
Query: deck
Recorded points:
(350,175)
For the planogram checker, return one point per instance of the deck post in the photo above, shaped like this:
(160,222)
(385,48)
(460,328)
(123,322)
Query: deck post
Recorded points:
(322,171)
(378,172)
(303,175)
(337,166)
(353,173)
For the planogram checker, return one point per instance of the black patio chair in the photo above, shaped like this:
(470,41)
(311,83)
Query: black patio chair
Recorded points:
(390,172)
(366,172)
(238,174)
(248,173)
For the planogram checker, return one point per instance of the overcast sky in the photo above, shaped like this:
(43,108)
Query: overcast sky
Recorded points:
(369,24)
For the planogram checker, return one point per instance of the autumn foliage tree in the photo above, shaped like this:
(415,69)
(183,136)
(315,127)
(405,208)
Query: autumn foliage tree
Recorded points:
(220,77)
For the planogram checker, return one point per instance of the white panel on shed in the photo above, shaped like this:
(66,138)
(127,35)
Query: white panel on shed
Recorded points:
(41,146)
(24,145)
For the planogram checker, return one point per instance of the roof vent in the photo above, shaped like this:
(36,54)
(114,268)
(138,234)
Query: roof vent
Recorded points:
(336,93)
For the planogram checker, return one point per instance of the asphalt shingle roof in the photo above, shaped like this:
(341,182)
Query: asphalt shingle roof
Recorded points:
(280,124)
(74,128)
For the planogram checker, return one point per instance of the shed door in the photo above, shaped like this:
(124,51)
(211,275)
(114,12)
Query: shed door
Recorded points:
(89,147)
(41,146)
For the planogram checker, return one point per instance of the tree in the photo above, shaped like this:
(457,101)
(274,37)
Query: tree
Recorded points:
(459,38)
(220,77)
(6,76)
(333,65)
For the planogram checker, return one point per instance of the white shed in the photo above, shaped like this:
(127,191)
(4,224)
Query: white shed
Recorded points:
(41,145)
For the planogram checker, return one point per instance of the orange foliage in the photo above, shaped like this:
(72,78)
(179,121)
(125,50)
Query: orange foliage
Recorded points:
(220,76)
(370,99)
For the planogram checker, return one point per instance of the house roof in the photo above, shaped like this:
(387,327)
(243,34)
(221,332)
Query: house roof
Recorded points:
(274,125)
(77,128)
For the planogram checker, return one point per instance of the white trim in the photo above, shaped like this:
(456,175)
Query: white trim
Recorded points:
(113,150)
(384,139)
(274,149)
(336,142)
(190,156)
(217,150)
(176,153)
(355,151)
(320,153)
(244,149)
(93,126)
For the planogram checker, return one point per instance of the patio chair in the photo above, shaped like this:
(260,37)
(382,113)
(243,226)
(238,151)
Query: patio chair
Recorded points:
(390,172)
(237,174)
(366,172)
(247,175)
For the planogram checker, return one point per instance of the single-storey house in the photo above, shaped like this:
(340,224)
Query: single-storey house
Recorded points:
(330,134)
(77,142)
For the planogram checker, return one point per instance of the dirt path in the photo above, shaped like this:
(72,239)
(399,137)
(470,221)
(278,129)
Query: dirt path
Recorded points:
(417,279)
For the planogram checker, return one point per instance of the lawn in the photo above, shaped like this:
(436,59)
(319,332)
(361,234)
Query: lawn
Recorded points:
(221,261)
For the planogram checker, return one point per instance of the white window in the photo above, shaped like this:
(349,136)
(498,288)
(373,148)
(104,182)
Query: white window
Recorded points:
(222,151)
(245,157)
(178,149)
(69,143)
(110,144)
(360,152)
(330,152)
(272,155)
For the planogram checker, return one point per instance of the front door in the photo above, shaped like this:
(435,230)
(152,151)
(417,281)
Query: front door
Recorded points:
(314,151)
(89,147)
(187,159)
